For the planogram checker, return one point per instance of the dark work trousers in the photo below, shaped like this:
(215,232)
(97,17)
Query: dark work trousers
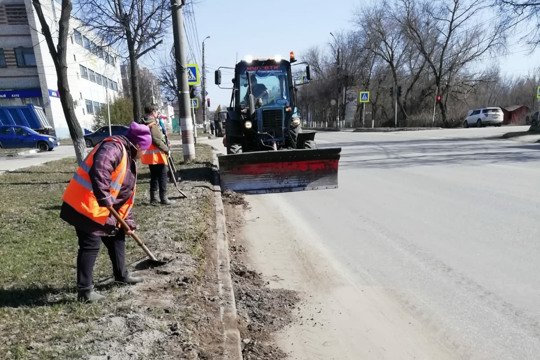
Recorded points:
(158,179)
(88,251)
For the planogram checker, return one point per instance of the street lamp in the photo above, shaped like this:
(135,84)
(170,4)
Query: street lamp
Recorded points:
(205,121)
(338,77)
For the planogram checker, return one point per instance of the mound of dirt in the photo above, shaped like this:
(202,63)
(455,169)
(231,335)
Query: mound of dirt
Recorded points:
(261,310)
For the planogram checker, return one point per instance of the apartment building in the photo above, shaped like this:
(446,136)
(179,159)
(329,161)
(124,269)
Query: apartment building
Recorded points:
(27,72)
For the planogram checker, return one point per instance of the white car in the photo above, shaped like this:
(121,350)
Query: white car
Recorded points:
(484,116)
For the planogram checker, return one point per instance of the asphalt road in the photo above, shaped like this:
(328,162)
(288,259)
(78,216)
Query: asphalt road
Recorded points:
(29,158)
(428,249)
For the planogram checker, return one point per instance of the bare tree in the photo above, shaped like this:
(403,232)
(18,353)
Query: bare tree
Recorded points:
(386,40)
(140,25)
(526,13)
(450,37)
(58,54)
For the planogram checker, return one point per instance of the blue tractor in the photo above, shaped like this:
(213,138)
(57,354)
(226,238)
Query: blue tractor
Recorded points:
(267,149)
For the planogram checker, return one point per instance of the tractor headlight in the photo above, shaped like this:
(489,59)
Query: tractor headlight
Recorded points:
(295,121)
(248,124)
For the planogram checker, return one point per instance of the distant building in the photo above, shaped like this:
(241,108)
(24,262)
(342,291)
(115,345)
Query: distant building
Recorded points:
(149,88)
(28,75)
(516,115)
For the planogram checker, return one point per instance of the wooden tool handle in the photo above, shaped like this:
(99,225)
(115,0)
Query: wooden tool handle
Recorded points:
(133,235)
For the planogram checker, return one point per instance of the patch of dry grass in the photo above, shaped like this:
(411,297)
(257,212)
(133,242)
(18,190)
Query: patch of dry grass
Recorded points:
(39,317)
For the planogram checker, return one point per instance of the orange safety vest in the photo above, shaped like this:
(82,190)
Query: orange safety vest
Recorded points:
(80,195)
(153,155)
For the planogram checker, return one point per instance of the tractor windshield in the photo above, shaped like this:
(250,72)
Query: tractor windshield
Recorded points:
(268,83)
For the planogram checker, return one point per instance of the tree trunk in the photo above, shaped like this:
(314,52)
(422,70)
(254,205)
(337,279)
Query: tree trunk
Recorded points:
(136,96)
(59,58)
(75,130)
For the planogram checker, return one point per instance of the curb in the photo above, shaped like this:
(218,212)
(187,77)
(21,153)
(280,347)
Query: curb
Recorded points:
(227,307)
(26,152)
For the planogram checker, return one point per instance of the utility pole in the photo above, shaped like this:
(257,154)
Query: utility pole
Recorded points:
(184,102)
(205,120)
(338,78)
(395,108)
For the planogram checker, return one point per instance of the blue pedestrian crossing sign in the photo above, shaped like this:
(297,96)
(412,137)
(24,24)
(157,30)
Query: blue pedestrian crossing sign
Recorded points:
(193,74)
(363,97)
(195,103)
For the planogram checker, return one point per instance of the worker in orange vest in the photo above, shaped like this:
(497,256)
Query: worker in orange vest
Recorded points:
(106,179)
(156,157)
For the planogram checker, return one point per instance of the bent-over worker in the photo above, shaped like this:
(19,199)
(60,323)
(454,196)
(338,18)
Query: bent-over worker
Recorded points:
(106,179)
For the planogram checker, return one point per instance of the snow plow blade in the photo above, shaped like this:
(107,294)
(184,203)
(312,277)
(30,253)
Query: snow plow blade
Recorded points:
(279,171)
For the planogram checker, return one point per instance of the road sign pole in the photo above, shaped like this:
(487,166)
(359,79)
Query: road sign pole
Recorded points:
(363,114)
(395,108)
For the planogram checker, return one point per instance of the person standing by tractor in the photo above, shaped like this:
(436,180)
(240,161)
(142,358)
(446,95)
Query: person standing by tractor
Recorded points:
(156,157)
(104,181)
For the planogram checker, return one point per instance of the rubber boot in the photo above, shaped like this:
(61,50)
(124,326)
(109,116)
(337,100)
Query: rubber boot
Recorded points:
(153,198)
(165,200)
(89,295)
(129,280)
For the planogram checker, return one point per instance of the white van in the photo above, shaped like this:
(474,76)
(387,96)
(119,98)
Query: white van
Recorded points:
(484,116)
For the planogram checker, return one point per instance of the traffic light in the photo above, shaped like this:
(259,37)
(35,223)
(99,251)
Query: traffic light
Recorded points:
(192,91)
(392,92)
(207,102)
(399,91)
(438,98)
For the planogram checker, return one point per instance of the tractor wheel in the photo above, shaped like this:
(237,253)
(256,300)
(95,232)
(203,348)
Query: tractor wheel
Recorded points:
(235,149)
(310,144)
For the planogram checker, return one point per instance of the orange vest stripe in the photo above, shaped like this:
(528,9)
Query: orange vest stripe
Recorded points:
(79,193)
(153,156)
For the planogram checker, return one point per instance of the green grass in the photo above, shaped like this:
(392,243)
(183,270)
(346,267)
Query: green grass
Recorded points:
(39,316)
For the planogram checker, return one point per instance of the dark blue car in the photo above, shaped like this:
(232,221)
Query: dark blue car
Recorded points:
(97,136)
(16,136)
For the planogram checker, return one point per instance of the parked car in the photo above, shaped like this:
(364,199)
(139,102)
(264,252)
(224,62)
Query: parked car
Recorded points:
(484,116)
(17,136)
(97,136)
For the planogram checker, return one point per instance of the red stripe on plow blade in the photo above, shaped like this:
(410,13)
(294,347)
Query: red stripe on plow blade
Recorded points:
(285,167)
(279,171)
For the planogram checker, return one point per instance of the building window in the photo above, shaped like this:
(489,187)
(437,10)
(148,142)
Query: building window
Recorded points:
(74,58)
(115,86)
(80,94)
(84,72)
(98,79)
(97,108)
(25,57)
(87,43)
(89,107)
(91,75)
(16,14)
(78,37)
(2,59)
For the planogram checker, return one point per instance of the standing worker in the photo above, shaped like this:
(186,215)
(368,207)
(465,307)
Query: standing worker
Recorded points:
(106,179)
(156,158)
